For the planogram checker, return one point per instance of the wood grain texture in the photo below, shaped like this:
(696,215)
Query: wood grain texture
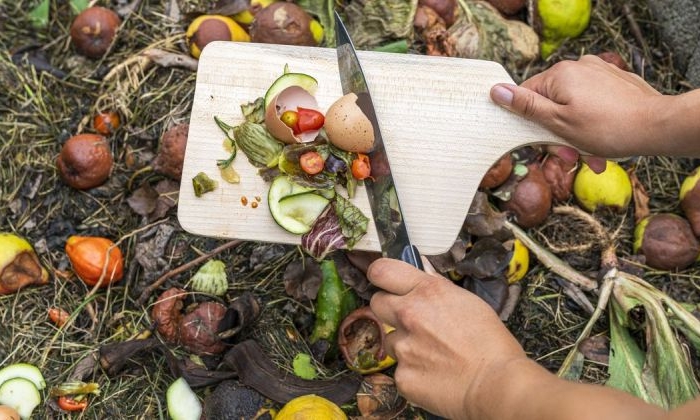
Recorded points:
(441,131)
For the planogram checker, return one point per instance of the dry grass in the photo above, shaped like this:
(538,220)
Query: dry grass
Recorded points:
(39,112)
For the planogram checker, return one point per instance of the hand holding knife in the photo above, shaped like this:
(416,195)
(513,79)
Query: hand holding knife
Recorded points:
(381,191)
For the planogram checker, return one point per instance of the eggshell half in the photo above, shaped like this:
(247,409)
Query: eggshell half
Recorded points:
(347,127)
(289,99)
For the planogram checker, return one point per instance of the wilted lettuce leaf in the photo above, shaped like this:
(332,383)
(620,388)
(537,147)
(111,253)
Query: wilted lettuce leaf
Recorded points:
(254,111)
(373,23)
(325,235)
(352,222)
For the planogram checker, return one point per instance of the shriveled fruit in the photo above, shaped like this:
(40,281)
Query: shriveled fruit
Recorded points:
(666,241)
(85,161)
(560,177)
(361,338)
(531,200)
(95,259)
(498,173)
(207,28)
(310,407)
(611,188)
(93,31)
(171,154)
(106,122)
(690,200)
(246,17)
(19,264)
(446,9)
(199,328)
(519,262)
(284,23)
(558,20)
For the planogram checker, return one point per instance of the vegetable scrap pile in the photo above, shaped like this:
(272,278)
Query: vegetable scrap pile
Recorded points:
(109,309)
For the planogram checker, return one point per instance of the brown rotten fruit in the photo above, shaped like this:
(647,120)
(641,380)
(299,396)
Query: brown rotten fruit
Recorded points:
(171,154)
(666,241)
(508,7)
(85,161)
(446,9)
(560,177)
(531,199)
(690,200)
(284,23)
(93,31)
(199,329)
(498,173)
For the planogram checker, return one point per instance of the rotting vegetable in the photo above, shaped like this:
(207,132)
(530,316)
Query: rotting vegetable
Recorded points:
(666,241)
(85,161)
(19,264)
(210,278)
(207,28)
(285,23)
(106,122)
(202,184)
(330,306)
(361,339)
(96,260)
(94,30)
(171,153)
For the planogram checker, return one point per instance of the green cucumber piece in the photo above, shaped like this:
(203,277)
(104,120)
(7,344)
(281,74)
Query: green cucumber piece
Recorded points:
(282,187)
(183,403)
(20,394)
(286,80)
(297,213)
(25,371)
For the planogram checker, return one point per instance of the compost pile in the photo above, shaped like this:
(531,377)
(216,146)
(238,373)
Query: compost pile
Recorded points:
(111,309)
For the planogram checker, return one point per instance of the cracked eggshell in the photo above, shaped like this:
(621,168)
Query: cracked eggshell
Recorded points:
(347,127)
(289,99)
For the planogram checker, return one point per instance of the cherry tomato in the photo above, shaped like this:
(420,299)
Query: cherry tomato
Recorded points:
(291,119)
(311,163)
(361,167)
(309,119)
(68,403)
(58,316)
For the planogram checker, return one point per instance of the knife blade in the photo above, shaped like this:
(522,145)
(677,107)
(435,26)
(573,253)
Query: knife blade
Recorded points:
(381,190)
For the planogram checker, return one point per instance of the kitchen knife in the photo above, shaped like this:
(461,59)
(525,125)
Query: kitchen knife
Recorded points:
(381,190)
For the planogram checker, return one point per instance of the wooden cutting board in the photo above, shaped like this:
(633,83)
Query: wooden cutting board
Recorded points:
(441,131)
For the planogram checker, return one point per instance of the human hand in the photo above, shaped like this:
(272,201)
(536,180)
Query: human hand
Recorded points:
(596,106)
(448,343)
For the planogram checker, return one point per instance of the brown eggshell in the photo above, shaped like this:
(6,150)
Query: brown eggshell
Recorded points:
(347,127)
(8,413)
(289,99)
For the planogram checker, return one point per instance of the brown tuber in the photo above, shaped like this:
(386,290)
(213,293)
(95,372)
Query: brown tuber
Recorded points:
(171,154)
(93,31)
(666,241)
(531,199)
(283,23)
(85,161)
(498,173)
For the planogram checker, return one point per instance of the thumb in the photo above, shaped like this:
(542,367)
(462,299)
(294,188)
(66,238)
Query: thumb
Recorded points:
(524,102)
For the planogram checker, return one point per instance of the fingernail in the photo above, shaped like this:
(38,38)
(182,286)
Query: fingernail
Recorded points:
(502,94)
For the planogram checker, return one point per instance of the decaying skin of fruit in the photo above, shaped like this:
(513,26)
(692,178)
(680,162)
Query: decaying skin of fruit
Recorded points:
(167,314)
(171,154)
(93,31)
(446,9)
(498,173)
(378,398)
(508,7)
(199,329)
(560,177)
(531,200)
(283,23)
(85,161)
(690,200)
(106,122)
(95,259)
(666,241)
(611,188)
(519,262)
(19,265)
(361,338)
(433,29)
(208,28)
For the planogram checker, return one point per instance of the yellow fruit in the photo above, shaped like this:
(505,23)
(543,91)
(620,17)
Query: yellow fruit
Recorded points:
(310,407)
(246,17)
(519,262)
(316,30)
(612,188)
(207,28)
(559,20)
(19,264)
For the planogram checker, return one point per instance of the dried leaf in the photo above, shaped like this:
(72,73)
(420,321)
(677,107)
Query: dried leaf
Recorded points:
(641,198)
(143,200)
(484,220)
(302,278)
(487,259)
(494,291)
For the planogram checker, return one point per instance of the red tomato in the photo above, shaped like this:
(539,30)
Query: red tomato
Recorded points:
(309,119)
(68,403)
(361,168)
(311,163)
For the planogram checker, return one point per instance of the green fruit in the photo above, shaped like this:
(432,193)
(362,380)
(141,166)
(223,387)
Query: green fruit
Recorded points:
(559,20)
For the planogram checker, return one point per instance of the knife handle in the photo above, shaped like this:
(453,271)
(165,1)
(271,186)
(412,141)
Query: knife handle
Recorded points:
(411,255)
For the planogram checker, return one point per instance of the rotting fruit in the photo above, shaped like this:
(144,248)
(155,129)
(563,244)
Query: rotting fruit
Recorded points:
(611,188)
(519,262)
(531,200)
(246,17)
(666,241)
(207,28)
(171,153)
(106,122)
(310,407)
(95,259)
(690,200)
(361,338)
(285,23)
(19,265)
(558,20)
(93,31)
(498,173)
(85,161)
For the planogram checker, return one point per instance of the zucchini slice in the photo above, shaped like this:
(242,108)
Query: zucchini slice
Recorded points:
(20,394)
(23,370)
(286,80)
(183,403)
